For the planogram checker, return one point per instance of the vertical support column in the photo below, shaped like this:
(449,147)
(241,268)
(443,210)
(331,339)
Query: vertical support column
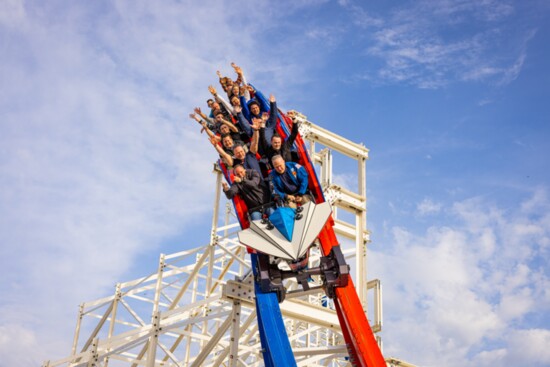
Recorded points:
(93,360)
(214,232)
(113,318)
(153,340)
(311,148)
(235,334)
(216,198)
(360,241)
(77,330)
(155,317)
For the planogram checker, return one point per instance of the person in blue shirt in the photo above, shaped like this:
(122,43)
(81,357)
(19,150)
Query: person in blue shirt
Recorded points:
(289,181)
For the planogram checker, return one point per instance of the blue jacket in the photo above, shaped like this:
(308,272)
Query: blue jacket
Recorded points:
(298,176)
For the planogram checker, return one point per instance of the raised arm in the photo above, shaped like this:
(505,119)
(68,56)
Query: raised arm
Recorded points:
(231,125)
(264,144)
(220,99)
(293,134)
(209,122)
(255,135)
(240,76)
(225,156)
(203,124)
(243,122)
(272,122)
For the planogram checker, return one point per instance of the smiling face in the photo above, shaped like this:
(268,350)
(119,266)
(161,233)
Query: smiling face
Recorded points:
(219,117)
(255,109)
(240,171)
(235,101)
(228,86)
(276,142)
(227,142)
(235,90)
(239,152)
(279,165)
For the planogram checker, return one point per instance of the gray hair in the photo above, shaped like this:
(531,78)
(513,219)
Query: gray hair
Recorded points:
(276,157)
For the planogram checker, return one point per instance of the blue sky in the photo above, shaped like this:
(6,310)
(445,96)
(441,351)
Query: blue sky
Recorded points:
(100,168)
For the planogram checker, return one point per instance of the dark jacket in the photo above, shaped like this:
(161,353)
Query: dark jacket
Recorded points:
(286,146)
(250,162)
(251,189)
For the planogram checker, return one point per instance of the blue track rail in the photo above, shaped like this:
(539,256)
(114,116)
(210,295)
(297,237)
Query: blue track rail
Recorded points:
(276,348)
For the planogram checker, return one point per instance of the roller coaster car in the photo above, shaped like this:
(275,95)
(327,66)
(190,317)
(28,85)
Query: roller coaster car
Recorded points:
(286,236)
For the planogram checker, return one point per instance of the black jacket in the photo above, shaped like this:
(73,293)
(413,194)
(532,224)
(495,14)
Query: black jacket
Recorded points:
(286,146)
(251,189)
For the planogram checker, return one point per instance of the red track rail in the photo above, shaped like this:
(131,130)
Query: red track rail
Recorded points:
(362,345)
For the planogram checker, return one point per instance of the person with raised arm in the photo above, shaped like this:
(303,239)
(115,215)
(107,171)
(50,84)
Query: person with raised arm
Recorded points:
(256,113)
(277,146)
(248,158)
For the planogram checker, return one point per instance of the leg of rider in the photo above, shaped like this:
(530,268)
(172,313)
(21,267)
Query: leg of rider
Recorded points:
(256,215)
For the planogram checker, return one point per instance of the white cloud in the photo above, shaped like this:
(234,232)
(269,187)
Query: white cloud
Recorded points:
(530,347)
(458,295)
(427,206)
(418,43)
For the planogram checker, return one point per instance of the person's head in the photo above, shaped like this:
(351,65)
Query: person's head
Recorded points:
(227,141)
(218,115)
(254,107)
(235,101)
(276,141)
(278,163)
(239,171)
(214,106)
(224,129)
(209,102)
(239,152)
(235,90)
(228,85)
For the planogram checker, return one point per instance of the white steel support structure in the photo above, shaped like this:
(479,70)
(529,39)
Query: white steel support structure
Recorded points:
(197,308)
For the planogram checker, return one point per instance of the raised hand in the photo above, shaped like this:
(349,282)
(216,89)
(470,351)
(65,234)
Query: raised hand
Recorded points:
(197,110)
(237,68)
(271,98)
(214,141)
(256,123)
(212,90)
(225,187)
(219,74)
(237,109)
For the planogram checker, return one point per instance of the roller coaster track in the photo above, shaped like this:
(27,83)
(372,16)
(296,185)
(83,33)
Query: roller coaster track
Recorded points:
(216,326)
(361,343)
